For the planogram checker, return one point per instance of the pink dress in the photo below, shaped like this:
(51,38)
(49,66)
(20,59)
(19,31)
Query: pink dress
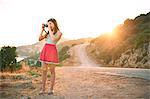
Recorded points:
(49,53)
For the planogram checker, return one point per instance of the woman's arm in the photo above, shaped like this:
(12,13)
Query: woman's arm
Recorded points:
(41,37)
(59,34)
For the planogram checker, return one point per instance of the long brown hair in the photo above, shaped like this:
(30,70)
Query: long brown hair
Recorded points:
(55,24)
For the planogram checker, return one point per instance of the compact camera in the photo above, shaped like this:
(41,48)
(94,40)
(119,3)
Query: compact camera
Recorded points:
(45,25)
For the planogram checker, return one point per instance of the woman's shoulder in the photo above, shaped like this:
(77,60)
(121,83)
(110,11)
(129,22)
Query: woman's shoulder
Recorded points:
(59,32)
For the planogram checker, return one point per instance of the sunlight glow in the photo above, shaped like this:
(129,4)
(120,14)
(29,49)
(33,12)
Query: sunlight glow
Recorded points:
(21,20)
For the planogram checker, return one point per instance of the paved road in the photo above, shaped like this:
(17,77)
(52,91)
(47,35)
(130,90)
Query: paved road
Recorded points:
(86,62)
(80,51)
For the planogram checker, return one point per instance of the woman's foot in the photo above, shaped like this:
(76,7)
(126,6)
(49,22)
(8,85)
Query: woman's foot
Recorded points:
(41,92)
(50,92)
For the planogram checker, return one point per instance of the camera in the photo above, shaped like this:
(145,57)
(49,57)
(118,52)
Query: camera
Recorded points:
(45,25)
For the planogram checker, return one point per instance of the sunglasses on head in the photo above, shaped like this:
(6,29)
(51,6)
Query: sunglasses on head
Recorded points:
(51,19)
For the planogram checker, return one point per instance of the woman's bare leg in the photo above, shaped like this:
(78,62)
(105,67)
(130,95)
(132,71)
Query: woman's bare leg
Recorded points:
(52,70)
(44,76)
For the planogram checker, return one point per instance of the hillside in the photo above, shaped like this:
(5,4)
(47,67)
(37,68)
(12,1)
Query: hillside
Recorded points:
(128,45)
(64,47)
(30,50)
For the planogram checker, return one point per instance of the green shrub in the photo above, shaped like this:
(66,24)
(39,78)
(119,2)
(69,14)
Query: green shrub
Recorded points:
(33,73)
(63,53)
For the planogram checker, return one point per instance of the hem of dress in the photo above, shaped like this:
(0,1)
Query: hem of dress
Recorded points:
(49,62)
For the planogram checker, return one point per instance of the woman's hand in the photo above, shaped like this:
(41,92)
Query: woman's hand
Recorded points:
(42,27)
(59,34)
(41,37)
(51,32)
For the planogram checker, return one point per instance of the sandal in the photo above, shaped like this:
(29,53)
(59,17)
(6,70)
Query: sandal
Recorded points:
(51,92)
(41,92)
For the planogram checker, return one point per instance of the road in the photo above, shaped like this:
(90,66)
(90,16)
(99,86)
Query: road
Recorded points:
(86,62)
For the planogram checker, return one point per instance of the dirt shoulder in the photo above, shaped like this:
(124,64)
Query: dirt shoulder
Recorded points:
(77,83)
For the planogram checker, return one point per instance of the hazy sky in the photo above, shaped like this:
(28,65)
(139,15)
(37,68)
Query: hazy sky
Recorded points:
(20,20)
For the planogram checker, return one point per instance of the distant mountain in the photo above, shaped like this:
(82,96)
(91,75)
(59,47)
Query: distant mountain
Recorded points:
(127,46)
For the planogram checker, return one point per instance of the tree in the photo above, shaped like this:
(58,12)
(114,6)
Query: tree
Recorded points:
(8,58)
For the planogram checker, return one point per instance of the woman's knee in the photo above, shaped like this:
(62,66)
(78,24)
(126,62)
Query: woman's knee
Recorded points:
(52,70)
(44,67)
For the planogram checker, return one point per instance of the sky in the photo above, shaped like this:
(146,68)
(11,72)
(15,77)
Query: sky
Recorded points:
(20,20)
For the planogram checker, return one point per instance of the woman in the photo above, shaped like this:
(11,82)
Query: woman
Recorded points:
(49,54)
